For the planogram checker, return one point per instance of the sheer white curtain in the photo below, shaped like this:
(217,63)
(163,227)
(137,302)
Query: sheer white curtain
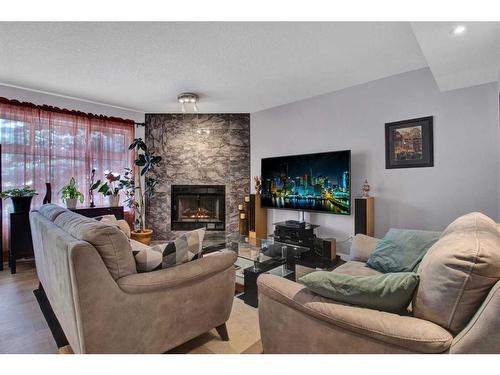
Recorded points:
(44,144)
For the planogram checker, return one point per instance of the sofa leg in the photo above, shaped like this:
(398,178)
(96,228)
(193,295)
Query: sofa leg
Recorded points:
(222,331)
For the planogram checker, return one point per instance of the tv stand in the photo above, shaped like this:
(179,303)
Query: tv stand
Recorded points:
(322,252)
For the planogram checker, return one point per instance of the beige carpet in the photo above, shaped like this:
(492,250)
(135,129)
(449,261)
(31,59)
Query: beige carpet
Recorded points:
(244,336)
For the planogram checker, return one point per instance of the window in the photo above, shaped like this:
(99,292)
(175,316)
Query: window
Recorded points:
(44,144)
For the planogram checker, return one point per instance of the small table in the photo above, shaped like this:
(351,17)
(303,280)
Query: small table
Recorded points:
(255,257)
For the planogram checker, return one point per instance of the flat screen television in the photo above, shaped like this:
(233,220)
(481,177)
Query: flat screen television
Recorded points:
(312,182)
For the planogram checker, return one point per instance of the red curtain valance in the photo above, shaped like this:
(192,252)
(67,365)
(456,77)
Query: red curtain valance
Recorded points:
(64,111)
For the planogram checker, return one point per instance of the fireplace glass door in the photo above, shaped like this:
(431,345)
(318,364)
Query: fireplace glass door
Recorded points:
(198,206)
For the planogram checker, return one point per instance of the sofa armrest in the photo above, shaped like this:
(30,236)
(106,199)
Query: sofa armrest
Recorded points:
(179,275)
(361,247)
(482,334)
(406,332)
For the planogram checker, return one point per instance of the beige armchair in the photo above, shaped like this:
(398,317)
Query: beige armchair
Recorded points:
(104,306)
(455,309)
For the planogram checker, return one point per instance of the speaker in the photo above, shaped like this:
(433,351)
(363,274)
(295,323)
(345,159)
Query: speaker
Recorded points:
(251,213)
(325,247)
(363,216)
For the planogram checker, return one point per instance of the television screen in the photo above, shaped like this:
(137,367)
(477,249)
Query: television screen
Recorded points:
(312,182)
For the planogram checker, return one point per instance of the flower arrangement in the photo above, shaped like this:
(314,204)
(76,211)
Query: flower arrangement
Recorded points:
(110,186)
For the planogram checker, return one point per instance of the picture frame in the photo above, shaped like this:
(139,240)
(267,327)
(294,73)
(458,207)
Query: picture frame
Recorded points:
(409,143)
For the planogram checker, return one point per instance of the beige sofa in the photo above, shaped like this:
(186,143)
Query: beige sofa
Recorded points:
(104,306)
(456,308)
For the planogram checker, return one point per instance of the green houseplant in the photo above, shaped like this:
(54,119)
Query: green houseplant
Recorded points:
(21,198)
(136,194)
(110,188)
(70,194)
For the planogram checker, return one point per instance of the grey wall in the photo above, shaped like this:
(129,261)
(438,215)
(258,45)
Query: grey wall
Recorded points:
(221,157)
(464,178)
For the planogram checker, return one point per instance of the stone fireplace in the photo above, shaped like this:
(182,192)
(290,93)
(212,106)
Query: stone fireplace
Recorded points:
(198,151)
(198,206)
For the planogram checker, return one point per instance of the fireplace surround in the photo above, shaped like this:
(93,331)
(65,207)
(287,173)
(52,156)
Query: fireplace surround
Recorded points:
(220,157)
(198,206)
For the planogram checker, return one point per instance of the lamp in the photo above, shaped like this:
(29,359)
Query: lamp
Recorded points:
(190,98)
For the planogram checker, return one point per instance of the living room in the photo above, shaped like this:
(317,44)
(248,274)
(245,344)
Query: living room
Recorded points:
(305,187)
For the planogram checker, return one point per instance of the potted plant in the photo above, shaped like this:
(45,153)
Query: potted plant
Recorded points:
(70,194)
(110,188)
(135,193)
(21,198)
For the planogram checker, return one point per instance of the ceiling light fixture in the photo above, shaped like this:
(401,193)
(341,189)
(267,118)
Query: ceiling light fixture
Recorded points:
(190,98)
(458,30)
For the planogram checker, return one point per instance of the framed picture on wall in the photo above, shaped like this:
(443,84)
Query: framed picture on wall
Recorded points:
(409,143)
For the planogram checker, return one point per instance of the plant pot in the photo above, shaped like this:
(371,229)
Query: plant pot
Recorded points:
(143,236)
(71,203)
(114,200)
(21,204)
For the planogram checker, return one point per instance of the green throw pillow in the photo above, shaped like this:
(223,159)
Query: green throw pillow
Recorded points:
(390,292)
(401,250)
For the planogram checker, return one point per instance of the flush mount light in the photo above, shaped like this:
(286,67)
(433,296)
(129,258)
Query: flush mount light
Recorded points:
(188,98)
(458,30)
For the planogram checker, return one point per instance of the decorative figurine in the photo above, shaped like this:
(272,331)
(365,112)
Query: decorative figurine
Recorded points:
(91,192)
(258,184)
(366,189)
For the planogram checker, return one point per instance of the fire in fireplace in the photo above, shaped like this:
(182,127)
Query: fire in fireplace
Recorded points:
(198,206)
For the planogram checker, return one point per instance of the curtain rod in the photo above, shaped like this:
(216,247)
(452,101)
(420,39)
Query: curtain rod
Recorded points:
(49,108)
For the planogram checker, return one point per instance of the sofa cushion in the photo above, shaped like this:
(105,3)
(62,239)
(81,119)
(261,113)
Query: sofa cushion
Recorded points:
(401,250)
(387,292)
(458,271)
(112,220)
(111,243)
(362,247)
(356,269)
(51,211)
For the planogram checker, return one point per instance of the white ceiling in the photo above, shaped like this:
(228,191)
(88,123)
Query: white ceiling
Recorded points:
(462,60)
(235,67)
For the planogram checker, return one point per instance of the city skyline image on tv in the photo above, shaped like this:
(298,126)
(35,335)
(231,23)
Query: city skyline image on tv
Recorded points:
(310,182)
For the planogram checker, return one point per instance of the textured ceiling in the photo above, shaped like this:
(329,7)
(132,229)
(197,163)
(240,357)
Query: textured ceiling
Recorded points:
(234,67)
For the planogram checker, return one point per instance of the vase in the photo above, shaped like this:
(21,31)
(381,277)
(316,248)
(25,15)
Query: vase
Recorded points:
(142,236)
(114,200)
(21,204)
(71,203)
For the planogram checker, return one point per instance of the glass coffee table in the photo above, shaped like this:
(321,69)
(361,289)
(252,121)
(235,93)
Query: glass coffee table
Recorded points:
(255,257)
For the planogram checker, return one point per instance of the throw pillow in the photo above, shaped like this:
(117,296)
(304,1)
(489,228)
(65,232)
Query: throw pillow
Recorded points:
(401,250)
(391,292)
(147,258)
(185,248)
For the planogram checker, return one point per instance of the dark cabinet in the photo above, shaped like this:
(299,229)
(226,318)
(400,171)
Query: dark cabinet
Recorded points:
(100,211)
(21,244)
